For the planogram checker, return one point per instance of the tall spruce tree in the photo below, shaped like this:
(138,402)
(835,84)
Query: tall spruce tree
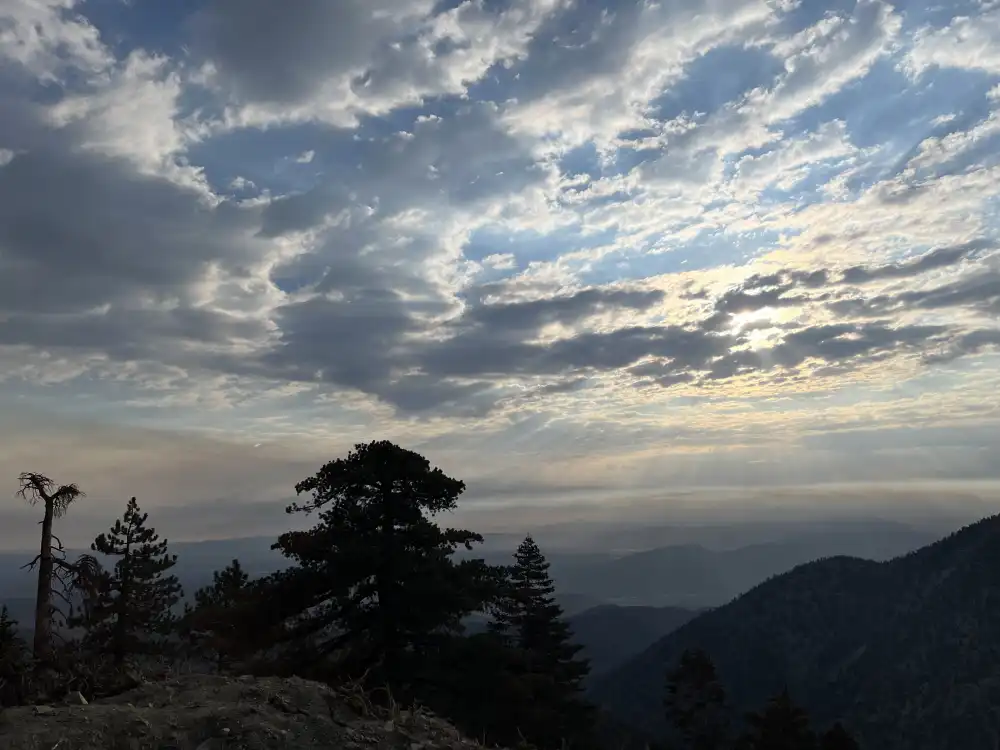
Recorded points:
(131,611)
(213,624)
(696,703)
(550,707)
(374,581)
(782,725)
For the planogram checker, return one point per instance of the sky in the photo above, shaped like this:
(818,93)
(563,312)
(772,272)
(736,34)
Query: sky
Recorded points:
(572,251)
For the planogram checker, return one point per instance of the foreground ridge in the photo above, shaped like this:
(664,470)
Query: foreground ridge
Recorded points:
(210,712)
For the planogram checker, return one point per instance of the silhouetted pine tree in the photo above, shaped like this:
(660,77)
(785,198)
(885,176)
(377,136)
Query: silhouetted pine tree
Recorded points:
(550,708)
(214,625)
(374,580)
(695,702)
(131,610)
(782,725)
(837,738)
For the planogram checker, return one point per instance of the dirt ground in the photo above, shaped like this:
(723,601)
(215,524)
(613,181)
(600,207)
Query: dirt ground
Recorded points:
(204,712)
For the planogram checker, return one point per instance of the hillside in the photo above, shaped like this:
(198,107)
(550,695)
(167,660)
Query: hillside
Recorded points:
(906,652)
(611,634)
(200,712)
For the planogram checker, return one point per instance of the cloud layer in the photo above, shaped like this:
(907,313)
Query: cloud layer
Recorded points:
(578,231)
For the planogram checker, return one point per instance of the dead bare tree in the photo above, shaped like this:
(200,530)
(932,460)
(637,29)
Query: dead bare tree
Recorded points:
(51,560)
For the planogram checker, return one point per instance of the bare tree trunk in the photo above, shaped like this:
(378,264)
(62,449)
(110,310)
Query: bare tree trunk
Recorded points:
(42,645)
(38,488)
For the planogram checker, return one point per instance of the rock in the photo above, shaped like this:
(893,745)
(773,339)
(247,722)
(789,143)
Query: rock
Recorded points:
(213,712)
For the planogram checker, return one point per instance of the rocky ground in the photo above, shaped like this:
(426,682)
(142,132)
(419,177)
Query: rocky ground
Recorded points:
(204,712)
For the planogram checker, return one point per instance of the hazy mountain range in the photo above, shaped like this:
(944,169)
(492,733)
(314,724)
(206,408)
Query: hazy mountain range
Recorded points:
(705,572)
(864,623)
(906,653)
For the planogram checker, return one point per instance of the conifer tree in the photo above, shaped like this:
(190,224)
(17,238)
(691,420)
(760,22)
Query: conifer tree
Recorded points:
(782,725)
(213,624)
(696,702)
(131,612)
(374,581)
(551,673)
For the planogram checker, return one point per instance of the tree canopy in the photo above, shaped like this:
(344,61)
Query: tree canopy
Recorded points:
(131,610)
(374,582)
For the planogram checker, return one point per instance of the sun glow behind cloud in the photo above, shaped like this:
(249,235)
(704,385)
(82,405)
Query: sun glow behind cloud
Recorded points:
(567,234)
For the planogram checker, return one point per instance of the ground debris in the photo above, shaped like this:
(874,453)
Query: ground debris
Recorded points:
(211,712)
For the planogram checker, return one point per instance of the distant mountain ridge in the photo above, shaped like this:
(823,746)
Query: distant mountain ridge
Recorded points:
(905,652)
(610,634)
(691,576)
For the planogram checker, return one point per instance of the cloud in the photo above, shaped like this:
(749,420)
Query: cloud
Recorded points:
(966,42)
(48,40)
(337,62)
(556,232)
(938,258)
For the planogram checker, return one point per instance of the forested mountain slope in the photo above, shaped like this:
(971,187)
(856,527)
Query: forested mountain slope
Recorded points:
(905,652)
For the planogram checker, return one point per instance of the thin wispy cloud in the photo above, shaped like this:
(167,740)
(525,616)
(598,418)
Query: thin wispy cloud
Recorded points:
(555,238)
